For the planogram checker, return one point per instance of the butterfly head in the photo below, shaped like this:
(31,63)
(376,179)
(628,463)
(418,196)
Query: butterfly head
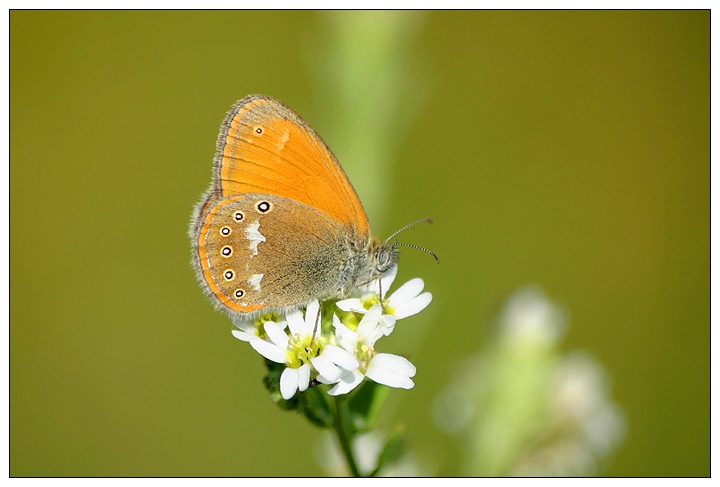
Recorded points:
(384,256)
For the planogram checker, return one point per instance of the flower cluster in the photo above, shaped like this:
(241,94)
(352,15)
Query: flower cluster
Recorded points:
(339,351)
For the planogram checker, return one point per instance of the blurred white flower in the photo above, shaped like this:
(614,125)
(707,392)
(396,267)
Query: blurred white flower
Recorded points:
(529,315)
(525,408)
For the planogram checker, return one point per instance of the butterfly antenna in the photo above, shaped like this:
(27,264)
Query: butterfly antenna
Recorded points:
(429,220)
(420,248)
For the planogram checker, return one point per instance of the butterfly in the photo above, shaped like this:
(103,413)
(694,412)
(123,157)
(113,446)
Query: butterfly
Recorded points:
(281,224)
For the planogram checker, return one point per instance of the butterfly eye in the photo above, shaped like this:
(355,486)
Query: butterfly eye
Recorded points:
(239,216)
(226,251)
(228,275)
(263,207)
(385,258)
(225,231)
(239,293)
(258,130)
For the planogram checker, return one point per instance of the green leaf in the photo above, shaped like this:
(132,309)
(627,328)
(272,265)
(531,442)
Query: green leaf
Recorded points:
(313,403)
(317,408)
(364,406)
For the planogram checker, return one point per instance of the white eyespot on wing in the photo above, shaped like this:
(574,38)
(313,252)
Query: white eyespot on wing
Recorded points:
(253,234)
(254,281)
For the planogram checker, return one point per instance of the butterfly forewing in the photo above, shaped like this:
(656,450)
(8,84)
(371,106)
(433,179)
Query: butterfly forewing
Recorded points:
(264,147)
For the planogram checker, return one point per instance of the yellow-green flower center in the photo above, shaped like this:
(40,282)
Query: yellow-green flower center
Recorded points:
(374,299)
(302,348)
(364,354)
(260,323)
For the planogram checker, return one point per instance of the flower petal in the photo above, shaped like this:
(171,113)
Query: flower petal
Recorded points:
(387,324)
(268,350)
(391,370)
(248,326)
(340,357)
(276,334)
(348,382)
(352,304)
(369,322)
(328,372)
(288,383)
(303,374)
(413,307)
(324,380)
(295,322)
(347,338)
(312,316)
(244,336)
(406,292)
(386,280)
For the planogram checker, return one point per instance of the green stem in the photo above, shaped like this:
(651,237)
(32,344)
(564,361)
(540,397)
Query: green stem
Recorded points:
(344,436)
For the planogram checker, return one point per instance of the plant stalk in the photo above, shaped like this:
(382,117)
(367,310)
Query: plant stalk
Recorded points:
(345,438)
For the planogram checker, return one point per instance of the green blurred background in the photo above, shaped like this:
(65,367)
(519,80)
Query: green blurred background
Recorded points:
(564,149)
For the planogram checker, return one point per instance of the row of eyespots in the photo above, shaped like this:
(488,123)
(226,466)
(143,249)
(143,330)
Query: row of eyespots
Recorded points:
(229,275)
(226,230)
(227,250)
(262,207)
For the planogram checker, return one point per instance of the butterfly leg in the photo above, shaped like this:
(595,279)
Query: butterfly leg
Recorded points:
(380,290)
(317,318)
(380,295)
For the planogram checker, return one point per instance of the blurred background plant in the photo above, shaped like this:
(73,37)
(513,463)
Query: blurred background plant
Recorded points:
(565,148)
(369,85)
(523,407)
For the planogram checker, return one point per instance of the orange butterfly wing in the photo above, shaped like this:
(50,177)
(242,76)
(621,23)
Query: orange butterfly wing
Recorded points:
(264,147)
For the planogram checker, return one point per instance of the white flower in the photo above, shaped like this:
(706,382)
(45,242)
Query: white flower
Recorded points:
(246,329)
(346,357)
(292,380)
(282,349)
(407,300)
(301,351)
(404,302)
(384,368)
(309,324)
(332,363)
